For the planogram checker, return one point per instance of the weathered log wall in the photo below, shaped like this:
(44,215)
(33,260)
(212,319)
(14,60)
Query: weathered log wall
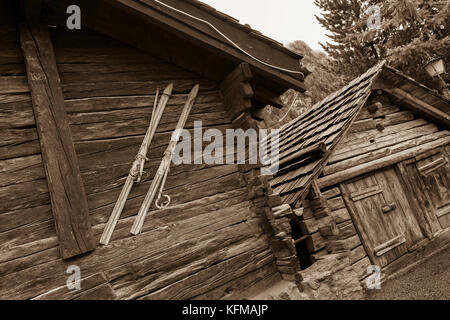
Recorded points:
(380,138)
(208,244)
(383,130)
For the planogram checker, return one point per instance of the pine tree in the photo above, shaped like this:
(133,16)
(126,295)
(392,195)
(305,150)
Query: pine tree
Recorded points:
(411,32)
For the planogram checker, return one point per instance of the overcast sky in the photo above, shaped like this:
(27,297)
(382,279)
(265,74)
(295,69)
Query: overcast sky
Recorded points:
(282,20)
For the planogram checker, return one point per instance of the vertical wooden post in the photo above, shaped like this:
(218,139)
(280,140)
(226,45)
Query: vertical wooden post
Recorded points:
(69,203)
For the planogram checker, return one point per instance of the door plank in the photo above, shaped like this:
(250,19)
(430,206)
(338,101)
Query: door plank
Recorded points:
(69,203)
(404,216)
(389,245)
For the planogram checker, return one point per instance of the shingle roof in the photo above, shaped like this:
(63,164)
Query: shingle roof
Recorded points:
(326,122)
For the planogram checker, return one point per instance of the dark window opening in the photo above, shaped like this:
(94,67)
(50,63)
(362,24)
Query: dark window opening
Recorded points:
(300,246)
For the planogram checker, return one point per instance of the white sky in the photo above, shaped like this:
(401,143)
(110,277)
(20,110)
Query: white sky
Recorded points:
(282,20)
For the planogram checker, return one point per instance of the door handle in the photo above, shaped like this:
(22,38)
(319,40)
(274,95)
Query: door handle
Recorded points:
(389,207)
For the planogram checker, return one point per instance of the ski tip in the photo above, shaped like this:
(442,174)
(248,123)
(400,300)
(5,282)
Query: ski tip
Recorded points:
(195,90)
(168,89)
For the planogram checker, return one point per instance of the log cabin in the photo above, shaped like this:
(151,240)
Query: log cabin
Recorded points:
(365,174)
(75,105)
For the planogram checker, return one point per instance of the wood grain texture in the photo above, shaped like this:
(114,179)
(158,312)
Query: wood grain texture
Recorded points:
(69,203)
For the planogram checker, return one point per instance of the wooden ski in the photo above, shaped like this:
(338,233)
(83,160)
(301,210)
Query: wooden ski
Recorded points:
(160,175)
(137,168)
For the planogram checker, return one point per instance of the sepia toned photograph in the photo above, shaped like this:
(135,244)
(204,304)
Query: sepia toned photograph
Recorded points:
(240,158)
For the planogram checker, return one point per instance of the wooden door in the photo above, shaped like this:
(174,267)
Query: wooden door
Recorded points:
(430,177)
(382,216)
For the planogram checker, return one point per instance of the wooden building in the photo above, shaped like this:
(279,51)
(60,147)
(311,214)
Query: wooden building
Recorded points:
(74,108)
(367,173)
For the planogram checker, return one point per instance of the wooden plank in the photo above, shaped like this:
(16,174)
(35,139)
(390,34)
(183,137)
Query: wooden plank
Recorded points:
(14,84)
(357,254)
(315,242)
(391,119)
(389,245)
(69,203)
(414,195)
(88,286)
(359,195)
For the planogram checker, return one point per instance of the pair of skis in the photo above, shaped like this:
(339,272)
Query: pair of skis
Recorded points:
(135,174)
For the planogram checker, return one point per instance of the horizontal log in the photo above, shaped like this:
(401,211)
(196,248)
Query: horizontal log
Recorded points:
(379,113)
(336,203)
(219,274)
(381,163)
(308,226)
(18,170)
(87,285)
(24,195)
(337,246)
(156,272)
(340,215)
(13,69)
(357,254)
(14,84)
(174,214)
(349,140)
(18,218)
(391,119)
(17,136)
(360,137)
(125,73)
(185,241)
(421,105)
(104,89)
(115,129)
(18,114)
(105,200)
(211,99)
(315,242)
(245,286)
(103,56)
(360,268)
(331,193)
(18,150)
(11,56)
(377,154)
(386,141)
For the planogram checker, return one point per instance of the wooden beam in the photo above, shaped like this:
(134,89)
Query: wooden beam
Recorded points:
(420,105)
(237,91)
(69,203)
(267,97)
